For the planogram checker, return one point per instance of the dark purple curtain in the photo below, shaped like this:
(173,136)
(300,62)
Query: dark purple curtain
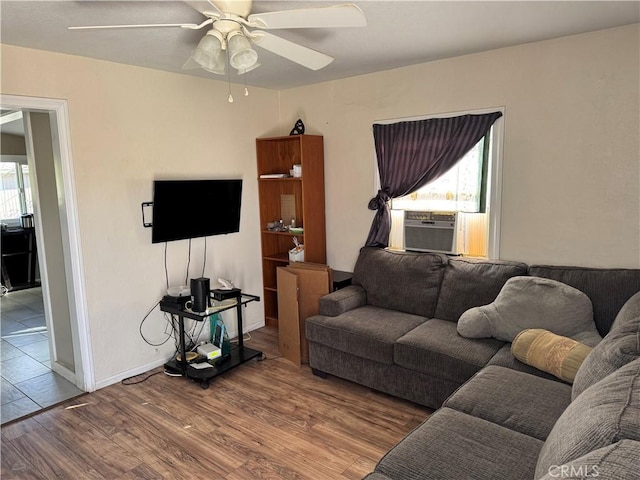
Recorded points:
(412,154)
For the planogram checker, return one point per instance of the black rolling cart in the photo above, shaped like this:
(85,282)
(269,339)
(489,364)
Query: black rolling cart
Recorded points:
(238,354)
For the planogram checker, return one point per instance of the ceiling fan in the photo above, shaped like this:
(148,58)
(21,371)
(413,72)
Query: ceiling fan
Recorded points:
(233,30)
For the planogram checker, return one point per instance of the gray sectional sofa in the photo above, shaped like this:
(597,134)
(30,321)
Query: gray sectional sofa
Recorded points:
(394,330)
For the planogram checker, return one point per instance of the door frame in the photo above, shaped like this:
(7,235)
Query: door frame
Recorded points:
(70,230)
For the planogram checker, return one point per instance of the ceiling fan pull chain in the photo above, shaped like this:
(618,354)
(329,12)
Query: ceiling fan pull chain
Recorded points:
(230,99)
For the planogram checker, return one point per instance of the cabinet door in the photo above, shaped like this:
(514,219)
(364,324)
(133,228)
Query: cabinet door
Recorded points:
(288,316)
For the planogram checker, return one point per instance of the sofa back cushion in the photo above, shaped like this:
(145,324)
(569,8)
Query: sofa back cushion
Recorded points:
(607,288)
(404,281)
(605,413)
(614,462)
(470,283)
(619,347)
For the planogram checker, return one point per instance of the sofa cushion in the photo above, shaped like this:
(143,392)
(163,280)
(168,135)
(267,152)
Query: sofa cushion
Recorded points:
(614,462)
(404,281)
(392,379)
(605,413)
(515,400)
(368,332)
(619,347)
(452,445)
(608,288)
(435,348)
(471,282)
(555,354)
(532,302)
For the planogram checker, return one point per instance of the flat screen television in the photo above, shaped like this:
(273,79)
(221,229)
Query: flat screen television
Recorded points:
(195,208)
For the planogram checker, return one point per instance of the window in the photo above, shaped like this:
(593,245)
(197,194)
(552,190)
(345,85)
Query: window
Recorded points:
(15,190)
(463,188)
(473,185)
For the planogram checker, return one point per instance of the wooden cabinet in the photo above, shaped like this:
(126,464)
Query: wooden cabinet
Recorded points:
(302,197)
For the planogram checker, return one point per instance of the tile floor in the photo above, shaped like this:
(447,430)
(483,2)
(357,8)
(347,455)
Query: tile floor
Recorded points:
(28,384)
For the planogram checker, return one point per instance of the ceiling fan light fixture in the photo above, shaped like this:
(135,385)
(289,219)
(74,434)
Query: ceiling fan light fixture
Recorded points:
(241,56)
(209,54)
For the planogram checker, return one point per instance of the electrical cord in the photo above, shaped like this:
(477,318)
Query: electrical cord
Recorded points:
(124,381)
(186,278)
(142,323)
(245,338)
(176,335)
(264,357)
(166,272)
(204,261)
(191,337)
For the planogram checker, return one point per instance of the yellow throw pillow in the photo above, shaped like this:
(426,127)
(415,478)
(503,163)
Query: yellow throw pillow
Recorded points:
(551,353)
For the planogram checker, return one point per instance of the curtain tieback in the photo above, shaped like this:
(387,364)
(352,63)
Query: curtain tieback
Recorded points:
(380,200)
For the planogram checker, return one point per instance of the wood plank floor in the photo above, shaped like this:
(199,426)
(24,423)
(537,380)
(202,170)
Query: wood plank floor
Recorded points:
(263,420)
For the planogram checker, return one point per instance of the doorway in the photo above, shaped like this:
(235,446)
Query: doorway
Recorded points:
(60,301)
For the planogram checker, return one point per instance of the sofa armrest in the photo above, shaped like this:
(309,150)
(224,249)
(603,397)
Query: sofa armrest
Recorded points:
(343,300)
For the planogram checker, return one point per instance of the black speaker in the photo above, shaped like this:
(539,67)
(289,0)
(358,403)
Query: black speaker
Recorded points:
(200,294)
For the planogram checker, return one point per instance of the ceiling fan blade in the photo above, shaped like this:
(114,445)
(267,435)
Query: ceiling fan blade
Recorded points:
(190,64)
(192,26)
(292,51)
(204,7)
(347,15)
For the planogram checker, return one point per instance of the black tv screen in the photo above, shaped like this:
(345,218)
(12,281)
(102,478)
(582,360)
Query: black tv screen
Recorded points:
(195,208)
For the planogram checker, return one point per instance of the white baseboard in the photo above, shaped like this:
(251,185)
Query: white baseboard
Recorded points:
(130,373)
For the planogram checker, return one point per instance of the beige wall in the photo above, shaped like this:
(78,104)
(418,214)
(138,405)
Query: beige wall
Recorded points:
(571,151)
(129,126)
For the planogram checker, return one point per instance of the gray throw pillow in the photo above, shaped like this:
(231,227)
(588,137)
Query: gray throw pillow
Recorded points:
(533,302)
(605,413)
(619,347)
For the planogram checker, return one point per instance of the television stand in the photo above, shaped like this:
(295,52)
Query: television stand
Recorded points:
(238,354)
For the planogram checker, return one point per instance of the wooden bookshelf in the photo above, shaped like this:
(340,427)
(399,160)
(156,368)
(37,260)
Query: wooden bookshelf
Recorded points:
(277,155)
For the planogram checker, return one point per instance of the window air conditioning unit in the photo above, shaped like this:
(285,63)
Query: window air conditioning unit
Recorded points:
(441,232)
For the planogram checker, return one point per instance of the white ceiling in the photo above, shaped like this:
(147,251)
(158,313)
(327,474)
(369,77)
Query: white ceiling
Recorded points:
(399,33)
